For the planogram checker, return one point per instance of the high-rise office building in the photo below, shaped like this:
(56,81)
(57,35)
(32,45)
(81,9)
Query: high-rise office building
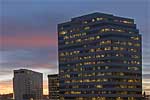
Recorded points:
(28,85)
(100,58)
(53,86)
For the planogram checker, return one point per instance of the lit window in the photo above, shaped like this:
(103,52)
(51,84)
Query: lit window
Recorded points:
(137,44)
(107,29)
(130,80)
(92,50)
(99,86)
(102,30)
(127,22)
(75,92)
(63,32)
(71,31)
(85,22)
(93,20)
(78,40)
(129,43)
(135,38)
(97,37)
(98,19)
(83,33)
(87,28)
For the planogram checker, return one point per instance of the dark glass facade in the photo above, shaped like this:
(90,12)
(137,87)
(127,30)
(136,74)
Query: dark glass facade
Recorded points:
(100,58)
(53,86)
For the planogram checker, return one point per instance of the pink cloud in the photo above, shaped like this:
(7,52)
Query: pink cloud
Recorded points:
(27,41)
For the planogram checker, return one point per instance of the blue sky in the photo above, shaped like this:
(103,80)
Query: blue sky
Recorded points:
(28,31)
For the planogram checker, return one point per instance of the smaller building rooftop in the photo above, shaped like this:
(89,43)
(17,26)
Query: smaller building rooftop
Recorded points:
(53,75)
(25,71)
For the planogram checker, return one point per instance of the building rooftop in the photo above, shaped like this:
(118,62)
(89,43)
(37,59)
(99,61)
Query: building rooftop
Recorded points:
(97,14)
(53,75)
(25,71)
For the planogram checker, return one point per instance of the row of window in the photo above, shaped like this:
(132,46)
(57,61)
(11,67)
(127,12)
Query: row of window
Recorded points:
(102,80)
(94,68)
(94,50)
(101,98)
(116,30)
(82,63)
(104,18)
(99,19)
(82,34)
(103,86)
(91,57)
(99,92)
(75,36)
(102,30)
(79,75)
(104,42)
(94,20)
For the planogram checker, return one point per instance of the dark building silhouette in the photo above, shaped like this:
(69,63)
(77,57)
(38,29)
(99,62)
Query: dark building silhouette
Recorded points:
(45,97)
(145,96)
(53,86)
(100,58)
(27,85)
(6,96)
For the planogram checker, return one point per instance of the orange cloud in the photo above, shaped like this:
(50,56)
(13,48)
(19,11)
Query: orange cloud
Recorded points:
(45,87)
(6,87)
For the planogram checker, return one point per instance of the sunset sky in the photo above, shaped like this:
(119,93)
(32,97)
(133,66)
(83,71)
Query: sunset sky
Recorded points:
(28,32)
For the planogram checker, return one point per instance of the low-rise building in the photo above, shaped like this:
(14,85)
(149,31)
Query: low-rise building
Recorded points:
(53,85)
(27,85)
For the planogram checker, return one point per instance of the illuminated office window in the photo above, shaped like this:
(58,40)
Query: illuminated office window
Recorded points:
(87,28)
(63,32)
(93,20)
